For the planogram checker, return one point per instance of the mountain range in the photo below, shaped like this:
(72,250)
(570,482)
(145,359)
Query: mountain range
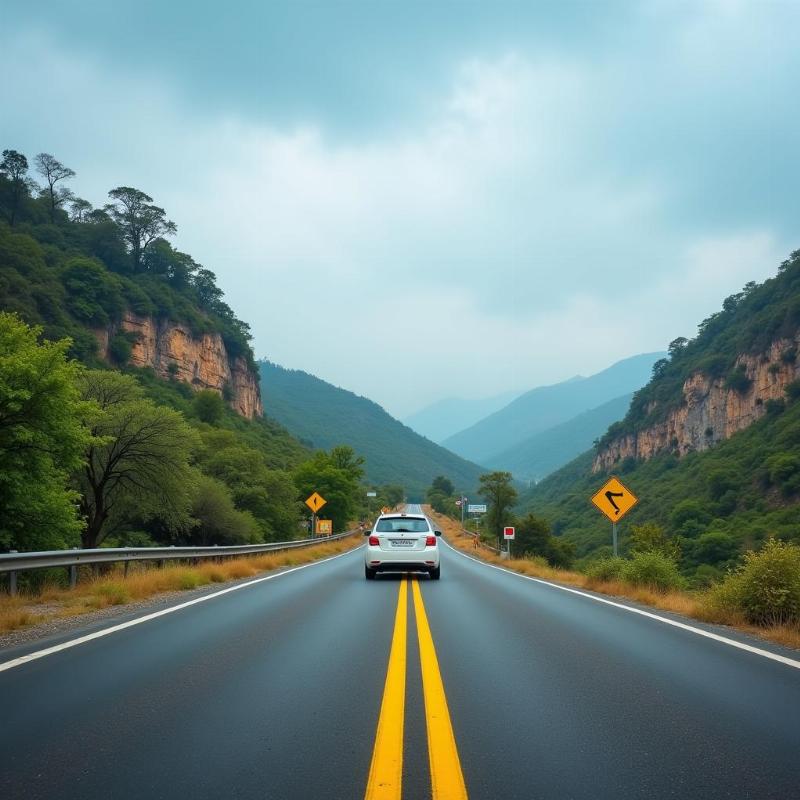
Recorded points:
(542,408)
(446,417)
(324,416)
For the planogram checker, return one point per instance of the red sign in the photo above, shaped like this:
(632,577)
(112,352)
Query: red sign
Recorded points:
(508,533)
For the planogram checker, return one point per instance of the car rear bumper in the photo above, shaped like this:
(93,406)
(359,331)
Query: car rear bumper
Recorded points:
(385,560)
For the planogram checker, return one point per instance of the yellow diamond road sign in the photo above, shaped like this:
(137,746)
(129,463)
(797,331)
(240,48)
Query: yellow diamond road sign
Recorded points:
(315,502)
(615,500)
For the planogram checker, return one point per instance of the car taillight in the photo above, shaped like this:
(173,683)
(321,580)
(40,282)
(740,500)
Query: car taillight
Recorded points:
(430,541)
(373,541)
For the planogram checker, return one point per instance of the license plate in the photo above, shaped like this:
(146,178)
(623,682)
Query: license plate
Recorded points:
(402,542)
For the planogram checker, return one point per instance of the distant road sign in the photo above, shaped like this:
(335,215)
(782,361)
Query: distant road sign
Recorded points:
(476,508)
(325,527)
(372,494)
(315,502)
(508,533)
(458,502)
(614,499)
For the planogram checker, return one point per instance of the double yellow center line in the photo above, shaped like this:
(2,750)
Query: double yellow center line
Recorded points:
(386,771)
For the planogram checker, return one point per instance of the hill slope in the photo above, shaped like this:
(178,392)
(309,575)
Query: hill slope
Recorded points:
(325,415)
(737,485)
(542,453)
(546,406)
(453,414)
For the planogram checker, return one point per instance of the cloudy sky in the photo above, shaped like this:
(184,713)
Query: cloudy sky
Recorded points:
(423,199)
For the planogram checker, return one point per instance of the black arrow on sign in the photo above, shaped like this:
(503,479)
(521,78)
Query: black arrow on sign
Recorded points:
(610,497)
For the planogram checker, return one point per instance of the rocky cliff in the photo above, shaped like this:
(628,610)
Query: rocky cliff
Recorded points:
(202,361)
(710,411)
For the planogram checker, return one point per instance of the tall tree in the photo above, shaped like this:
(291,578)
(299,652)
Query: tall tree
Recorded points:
(141,221)
(41,439)
(138,461)
(496,488)
(80,209)
(53,171)
(14,167)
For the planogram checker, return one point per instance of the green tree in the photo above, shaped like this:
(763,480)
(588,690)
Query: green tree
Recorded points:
(209,406)
(337,485)
(141,222)
(41,439)
(496,488)
(138,461)
(652,538)
(53,171)
(14,168)
(217,520)
(532,537)
(444,485)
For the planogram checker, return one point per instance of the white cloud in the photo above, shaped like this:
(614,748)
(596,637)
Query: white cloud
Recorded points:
(491,247)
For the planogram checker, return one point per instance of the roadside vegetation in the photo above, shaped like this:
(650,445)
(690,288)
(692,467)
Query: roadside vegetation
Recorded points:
(96,452)
(761,596)
(113,588)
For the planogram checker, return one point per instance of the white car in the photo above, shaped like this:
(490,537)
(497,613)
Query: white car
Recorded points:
(400,543)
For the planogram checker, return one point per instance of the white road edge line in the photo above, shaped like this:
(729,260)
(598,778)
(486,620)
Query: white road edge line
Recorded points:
(789,662)
(16,662)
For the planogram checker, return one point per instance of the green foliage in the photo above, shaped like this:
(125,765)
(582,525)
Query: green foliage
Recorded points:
(499,492)
(325,416)
(41,439)
(335,476)
(268,494)
(217,519)
(652,538)
(120,347)
(766,588)
(533,538)
(444,485)
(653,570)
(137,464)
(738,380)
(209,406)
(605,569)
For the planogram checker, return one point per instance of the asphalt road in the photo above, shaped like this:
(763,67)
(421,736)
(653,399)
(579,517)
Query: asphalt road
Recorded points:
(276,690)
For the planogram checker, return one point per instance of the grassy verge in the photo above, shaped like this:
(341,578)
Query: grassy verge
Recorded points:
(697,605)
(145,580)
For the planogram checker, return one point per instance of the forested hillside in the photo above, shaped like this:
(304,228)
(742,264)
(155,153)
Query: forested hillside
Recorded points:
(731,493)
(325,415)
(108,436)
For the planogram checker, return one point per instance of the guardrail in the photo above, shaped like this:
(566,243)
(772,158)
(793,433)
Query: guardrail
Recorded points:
(13,562)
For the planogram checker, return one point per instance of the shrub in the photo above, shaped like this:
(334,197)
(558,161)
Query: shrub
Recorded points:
(653,570)
(120,348)
(605,569)
(793,390)
(766,588)
(738,381)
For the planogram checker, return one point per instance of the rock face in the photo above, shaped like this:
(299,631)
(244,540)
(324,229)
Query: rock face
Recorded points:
(202,361)
(710,411)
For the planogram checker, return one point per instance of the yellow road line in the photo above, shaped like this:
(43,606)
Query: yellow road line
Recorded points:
(447,780)
(386,770)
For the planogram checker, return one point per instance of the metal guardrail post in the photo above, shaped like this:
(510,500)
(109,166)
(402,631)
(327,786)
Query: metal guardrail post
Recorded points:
(73,574)
(12,581)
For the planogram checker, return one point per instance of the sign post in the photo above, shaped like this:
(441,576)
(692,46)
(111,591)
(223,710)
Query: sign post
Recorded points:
(614,500)
(315,503)
(508,534)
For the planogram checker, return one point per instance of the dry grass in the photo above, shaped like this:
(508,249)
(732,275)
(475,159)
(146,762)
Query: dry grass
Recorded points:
(146,580)
(688,604)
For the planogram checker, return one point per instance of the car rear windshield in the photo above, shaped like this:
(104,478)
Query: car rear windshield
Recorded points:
(402,525)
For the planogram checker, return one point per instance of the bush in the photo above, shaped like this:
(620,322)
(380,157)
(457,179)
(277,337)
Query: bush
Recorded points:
(766,588)
(653,570)
(605,569)
(120,348)
(738,381)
